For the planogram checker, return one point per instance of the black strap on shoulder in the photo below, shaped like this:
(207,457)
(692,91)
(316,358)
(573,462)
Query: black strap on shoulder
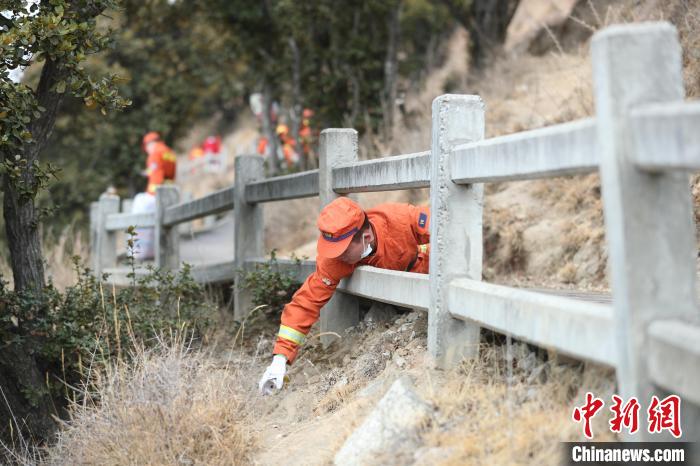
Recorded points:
(412,263)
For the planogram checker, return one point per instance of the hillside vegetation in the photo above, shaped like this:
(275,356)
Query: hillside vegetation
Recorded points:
(167,398)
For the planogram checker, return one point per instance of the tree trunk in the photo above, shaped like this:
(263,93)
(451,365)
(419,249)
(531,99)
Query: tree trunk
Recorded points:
(390,71)
(23,240)
(488,25)
(486,21)
(269,131)
(24,397)
(296,102)
(21,223)
(22,379)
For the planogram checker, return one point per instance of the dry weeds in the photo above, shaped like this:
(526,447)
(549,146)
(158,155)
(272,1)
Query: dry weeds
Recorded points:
(490,414)
(170,405)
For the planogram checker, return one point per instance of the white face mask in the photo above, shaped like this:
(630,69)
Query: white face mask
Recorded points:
(367,249)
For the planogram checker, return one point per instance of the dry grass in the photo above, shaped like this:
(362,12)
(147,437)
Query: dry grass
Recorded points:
(169,405)
(488,414)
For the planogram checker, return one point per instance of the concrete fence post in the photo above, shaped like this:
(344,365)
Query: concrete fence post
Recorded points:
(648,217)
(127,205)
(104,250)
(248,227)
(456,245)
(167,239)
(94,229)
(336,147)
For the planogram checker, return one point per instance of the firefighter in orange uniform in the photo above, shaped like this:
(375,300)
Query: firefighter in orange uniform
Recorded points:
(288,145)
(161,162)
(388,236)
(305,133)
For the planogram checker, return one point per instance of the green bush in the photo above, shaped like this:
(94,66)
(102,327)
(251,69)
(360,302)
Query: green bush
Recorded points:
(92,322)
(268,285)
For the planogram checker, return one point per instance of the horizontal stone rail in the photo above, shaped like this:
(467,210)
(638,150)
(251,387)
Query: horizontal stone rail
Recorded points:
(389,286)
(565,149)
(299,270)
(642,134)
(667,136)
(574,327)
(674,357)
(214,203)
(385,174)
(120,222)
(280,188)
(119,276)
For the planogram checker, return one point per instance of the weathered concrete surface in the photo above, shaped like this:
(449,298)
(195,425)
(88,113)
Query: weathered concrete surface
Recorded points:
(167,239)
(386,174)
(565,149)
(578,328)
(392,426)
(389,286)
(221,272)
(648,217)
(667,136)
(300,271)
(336,147)
(279,188)
(104,248)
(674,357)
(214,203)
(248,227)
(456,224)
(120,222)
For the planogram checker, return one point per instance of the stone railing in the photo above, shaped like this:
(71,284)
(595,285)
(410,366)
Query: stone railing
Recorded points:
(643,140)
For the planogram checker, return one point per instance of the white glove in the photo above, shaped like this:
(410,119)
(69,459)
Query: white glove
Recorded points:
(273,378)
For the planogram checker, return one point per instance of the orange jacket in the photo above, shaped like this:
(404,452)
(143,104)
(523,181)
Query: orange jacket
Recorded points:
(160,165)
(403,236)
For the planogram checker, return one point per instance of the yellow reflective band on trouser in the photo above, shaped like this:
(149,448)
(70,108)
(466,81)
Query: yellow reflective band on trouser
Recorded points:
(288,333)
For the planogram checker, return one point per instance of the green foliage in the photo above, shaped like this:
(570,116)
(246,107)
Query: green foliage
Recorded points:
(91,322)
(176,71)
(58,32)
(185,61)
(14,168)
(268,286)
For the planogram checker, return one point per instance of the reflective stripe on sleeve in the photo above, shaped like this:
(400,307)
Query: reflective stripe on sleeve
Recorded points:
(288,333)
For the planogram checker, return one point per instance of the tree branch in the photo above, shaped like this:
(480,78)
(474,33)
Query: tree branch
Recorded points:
(6,22)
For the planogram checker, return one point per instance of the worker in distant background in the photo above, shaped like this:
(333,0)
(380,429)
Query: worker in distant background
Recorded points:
(212,151)
(288,143)
(160,163)
(195,153)
(307,136)
(160,168)
(388,236)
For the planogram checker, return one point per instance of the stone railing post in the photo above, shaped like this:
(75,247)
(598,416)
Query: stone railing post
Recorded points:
(456,245)
(336,147)
(248,227)
(94,228)
(648,217)
(167,239)
(126,205)
(103,242)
